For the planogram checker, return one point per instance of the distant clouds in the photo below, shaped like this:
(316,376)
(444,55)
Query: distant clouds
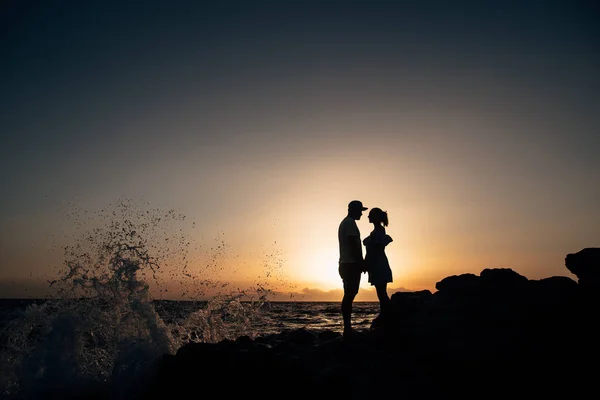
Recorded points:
(308,294)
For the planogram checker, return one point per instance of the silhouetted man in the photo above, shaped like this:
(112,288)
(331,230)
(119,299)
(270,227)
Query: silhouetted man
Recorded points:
(351,262)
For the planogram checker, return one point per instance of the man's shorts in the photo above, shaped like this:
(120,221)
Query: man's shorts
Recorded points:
(350,274)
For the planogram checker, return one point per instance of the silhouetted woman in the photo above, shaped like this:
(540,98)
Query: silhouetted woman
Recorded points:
(378,266)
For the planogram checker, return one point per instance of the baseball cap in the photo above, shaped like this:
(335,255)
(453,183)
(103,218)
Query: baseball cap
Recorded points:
(356,205)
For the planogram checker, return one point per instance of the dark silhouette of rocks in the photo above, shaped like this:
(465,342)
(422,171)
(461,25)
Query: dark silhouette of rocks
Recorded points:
(488,335)
(585,264)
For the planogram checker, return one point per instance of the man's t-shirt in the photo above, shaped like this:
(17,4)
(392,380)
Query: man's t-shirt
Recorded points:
(347,228)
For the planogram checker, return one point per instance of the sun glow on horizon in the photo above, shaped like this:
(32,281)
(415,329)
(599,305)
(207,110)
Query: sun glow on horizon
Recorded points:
(320,268)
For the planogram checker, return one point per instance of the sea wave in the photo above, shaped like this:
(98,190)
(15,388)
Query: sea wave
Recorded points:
(101,331)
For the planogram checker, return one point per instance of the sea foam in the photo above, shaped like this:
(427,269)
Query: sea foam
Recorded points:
(99,332)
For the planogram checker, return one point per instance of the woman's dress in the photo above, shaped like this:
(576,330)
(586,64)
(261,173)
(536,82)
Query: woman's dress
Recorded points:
(378,266)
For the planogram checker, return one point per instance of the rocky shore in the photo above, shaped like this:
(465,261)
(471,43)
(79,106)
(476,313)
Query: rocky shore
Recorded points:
(488,336)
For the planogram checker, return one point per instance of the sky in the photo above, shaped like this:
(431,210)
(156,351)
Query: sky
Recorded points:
(474,124)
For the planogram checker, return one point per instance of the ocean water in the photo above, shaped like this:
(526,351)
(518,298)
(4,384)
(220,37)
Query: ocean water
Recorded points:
(270,318)
(278,316)
(68,346)
(102,329)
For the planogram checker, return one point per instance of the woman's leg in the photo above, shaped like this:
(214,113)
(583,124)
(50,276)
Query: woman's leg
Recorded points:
(384,299)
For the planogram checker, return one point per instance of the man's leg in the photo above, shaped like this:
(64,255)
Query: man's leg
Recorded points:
(350,274)
(347,310)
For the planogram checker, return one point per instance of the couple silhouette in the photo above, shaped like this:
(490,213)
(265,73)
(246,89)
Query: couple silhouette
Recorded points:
(352,264)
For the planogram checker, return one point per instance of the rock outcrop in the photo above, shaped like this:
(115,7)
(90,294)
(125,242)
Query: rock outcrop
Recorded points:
(585,264)
(489,335)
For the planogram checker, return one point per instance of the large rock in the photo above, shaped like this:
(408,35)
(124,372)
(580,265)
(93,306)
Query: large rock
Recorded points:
(502,279)
(459,284)
(585,264)
(497,329)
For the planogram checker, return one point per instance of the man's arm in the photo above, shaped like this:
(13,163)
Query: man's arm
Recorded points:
(355,244)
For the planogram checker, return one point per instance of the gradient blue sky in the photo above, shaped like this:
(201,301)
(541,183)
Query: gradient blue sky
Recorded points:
(473,123)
